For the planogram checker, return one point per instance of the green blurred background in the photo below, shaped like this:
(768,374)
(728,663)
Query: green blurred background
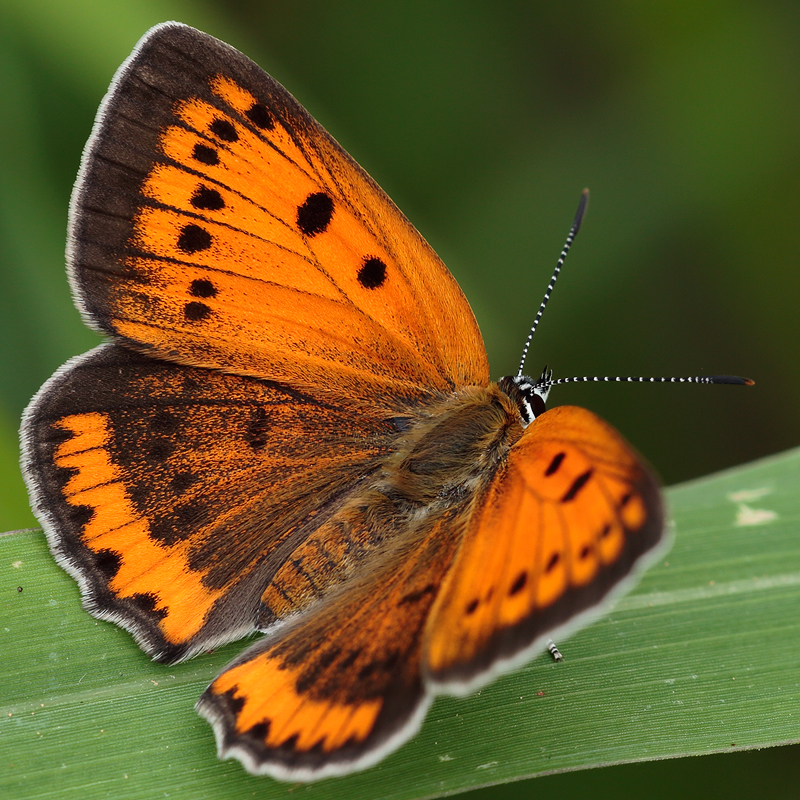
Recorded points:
(484,121)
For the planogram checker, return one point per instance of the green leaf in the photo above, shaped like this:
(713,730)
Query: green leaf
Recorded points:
(701,657)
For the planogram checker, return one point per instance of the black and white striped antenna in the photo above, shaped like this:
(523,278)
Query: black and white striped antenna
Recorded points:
(573,232)
(732,379)
(545,382)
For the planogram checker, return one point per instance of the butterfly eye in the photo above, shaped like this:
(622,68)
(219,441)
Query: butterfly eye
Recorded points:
(527,394)
(537,404)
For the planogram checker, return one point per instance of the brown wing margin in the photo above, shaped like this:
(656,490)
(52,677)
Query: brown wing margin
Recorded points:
(172,494)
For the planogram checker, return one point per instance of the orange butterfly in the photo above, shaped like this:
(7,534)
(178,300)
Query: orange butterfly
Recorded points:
(293,430)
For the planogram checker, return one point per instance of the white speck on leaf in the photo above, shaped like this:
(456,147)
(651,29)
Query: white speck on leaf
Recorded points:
(749,495)
(746,516)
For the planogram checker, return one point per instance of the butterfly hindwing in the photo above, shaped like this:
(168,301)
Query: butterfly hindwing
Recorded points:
(570,513)
(175,494)
(340,687)
(217,224)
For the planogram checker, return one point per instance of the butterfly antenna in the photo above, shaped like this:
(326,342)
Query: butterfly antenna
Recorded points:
(573,232)
(732,379)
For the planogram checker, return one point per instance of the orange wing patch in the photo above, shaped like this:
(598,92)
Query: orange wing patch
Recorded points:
(566,517)
(270,705)
(158,577)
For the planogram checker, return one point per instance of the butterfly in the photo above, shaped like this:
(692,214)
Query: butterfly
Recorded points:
(292,430)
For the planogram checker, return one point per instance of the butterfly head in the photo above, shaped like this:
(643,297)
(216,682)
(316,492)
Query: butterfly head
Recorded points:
(530,395)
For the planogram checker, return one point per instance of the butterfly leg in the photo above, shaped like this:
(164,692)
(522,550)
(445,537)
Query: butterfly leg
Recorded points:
(554,651)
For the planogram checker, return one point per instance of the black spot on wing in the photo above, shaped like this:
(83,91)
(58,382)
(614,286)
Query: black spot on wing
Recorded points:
(328,656)
(207,199)
(257,429)
(163,421)
(260,117)
(555,464)
(148,602)
(416,596)
(202,287)
(372,274)
(235,700)
(205,155)
(181,481)
(181,523)
(223,129)
(108,562)
(367,670)
(196,312)
(80,516)
(193,239)
(314,215)
(160,450)
(348,660)
(259,731)
(577,485)
(314,667)
(519,584)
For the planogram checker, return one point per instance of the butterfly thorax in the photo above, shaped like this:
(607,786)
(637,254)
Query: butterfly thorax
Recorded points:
(454,448)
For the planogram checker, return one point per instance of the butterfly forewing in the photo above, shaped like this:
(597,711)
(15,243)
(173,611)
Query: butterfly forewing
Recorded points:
(217,224)
(569,514)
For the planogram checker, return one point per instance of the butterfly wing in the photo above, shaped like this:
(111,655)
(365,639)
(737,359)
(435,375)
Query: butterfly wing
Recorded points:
(216,224)
(174,494)
(342,686)
(570,513)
